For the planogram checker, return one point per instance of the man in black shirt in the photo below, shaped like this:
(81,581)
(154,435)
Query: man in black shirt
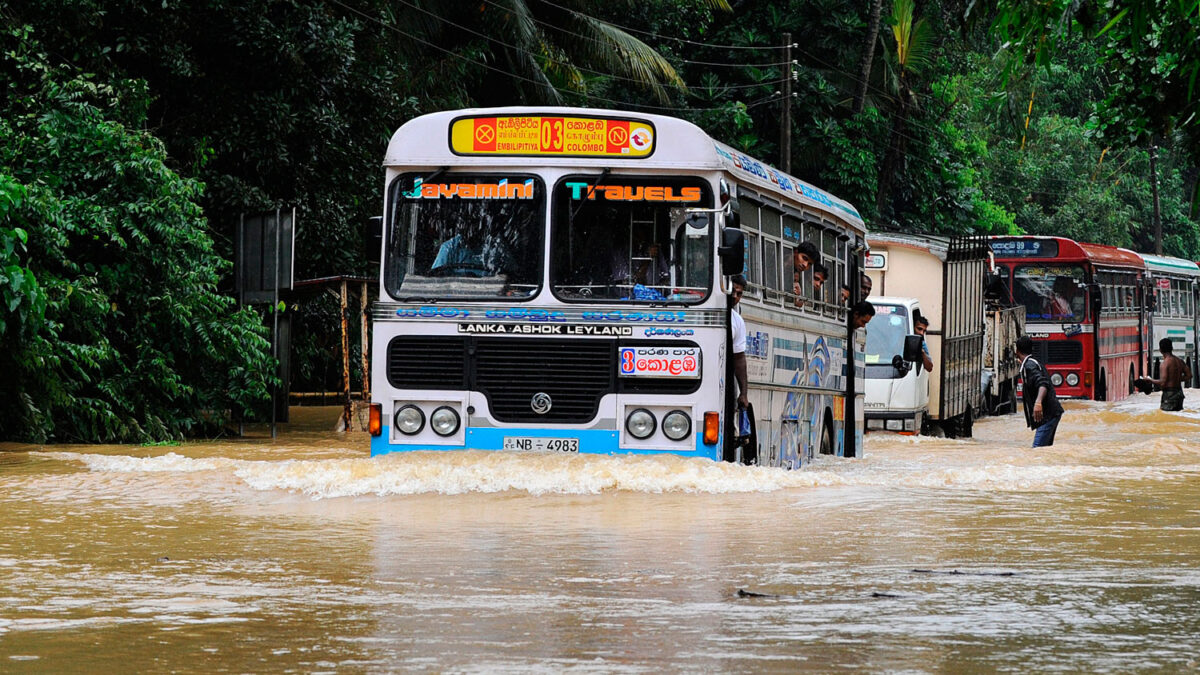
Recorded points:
(1042,409)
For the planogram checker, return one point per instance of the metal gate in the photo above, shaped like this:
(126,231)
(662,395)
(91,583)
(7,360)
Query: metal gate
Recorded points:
(963,328)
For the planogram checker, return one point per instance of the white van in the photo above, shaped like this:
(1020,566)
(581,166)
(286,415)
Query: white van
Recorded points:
(897,391)
(946,275)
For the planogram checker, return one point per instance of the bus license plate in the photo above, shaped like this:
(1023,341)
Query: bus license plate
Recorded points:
(530,443)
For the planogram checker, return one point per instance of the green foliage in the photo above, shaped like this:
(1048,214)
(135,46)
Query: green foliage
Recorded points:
(21,297)
(281,104)
(852,166)
(125,337)
(1149,50)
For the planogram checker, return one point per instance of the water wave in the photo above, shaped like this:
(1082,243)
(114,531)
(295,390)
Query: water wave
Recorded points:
(551,473)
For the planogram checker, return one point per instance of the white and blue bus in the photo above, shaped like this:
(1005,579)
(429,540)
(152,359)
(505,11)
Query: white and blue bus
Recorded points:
(557,279)
(1172,285)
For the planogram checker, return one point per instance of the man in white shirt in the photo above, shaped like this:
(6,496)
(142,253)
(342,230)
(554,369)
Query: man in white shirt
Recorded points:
(738,328)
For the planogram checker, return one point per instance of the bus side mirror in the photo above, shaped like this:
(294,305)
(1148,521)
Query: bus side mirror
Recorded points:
(732,251)
(912,348)
(373,238)
(733,214)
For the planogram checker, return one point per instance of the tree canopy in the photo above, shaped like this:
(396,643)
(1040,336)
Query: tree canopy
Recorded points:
(115,331)
(134,134)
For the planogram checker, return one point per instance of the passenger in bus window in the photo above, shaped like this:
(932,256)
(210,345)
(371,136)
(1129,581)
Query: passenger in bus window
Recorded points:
(737,286)
(803,258)
(650,265)
(1061,303)
(820,275)
(845,294)
(459,255)
(1042,409)
(920,325)
(1174,373)
(865,284)
(861,313)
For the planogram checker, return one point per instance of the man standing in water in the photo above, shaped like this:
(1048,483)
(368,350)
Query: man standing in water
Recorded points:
(1174,373)
(738,329)
(1042,409)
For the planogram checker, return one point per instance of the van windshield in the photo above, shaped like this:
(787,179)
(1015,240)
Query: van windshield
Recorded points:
(885,339)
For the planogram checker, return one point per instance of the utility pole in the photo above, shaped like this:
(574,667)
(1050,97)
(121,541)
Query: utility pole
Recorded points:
(785,124)
(1154,189)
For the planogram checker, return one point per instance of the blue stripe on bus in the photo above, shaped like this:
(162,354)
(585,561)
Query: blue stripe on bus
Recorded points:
(789,363)
(591,441)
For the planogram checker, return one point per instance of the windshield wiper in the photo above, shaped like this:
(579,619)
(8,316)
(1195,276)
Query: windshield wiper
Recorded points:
(591,190)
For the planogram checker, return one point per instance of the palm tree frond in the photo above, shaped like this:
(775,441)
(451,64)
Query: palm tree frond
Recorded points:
(523,28)
(914,40)
(624,55)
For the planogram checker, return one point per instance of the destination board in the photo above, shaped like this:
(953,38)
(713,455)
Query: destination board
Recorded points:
(537,135)
(681,362)
(1025,248)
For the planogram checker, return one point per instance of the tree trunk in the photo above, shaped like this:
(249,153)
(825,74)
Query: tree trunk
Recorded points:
(893,155)
(864,66)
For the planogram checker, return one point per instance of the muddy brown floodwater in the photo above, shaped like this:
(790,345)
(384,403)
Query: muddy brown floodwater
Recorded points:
(304,554)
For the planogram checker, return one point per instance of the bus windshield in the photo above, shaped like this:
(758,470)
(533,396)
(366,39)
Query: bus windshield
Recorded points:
(624,239)
(885,339)
(457,235)
(1050,292)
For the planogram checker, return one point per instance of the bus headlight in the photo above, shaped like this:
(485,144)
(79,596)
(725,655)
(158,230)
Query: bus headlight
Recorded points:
(410,420)
(640,424)
(1056,379)
(1072,379)
(677,425)
(444,421)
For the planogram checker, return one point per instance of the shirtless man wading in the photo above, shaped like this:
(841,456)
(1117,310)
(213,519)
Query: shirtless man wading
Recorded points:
(1174,373)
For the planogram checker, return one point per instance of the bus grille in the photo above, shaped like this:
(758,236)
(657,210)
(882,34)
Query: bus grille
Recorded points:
(575,373)
(427,362)
(1059,352)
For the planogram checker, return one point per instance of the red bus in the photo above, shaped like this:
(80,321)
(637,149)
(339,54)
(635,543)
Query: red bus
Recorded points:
(1084,309)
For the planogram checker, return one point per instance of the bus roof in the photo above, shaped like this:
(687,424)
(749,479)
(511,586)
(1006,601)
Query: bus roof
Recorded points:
(429,141)
(1167,265)
(1032,246)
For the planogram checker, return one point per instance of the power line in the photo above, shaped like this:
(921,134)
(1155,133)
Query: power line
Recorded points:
(753,104)
(513,75)
(662,37)
(589,38)
(535,55)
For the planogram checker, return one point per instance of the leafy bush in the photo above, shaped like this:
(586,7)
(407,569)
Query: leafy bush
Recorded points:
(115,331)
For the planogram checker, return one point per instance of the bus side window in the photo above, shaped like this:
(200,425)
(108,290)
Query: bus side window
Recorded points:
(754,269)
(771,269)
(790,277)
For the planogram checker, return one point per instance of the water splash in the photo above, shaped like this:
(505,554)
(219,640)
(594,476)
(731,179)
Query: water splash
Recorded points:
(898,463)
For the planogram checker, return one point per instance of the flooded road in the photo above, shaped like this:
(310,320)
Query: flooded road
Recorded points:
(303,554)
